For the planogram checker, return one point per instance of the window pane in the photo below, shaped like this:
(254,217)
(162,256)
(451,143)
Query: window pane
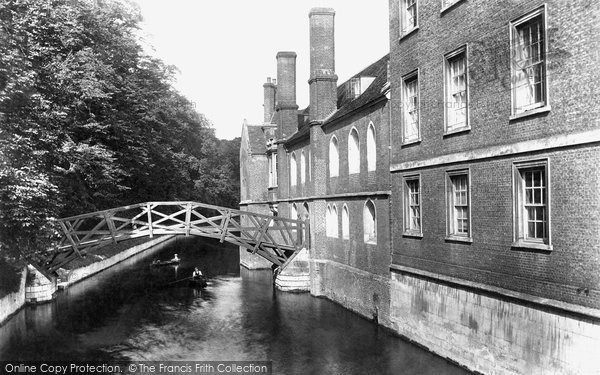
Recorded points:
(528,64)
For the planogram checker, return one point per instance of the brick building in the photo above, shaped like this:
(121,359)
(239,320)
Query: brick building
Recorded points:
(494,175)
(329,163)
(452,186)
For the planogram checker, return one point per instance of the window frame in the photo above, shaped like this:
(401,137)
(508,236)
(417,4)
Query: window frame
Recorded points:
(414,75)
(406,230)
(337,154)
(544,106)
(371,149)
(366,237)
(448,58)
(403,18)
(520,239)
(451,230)
(353,159)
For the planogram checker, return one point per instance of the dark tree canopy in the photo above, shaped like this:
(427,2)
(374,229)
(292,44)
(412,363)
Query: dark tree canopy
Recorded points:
(88,121)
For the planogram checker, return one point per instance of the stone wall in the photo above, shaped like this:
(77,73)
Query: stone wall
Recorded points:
(81,273)
(491,334)
(12,302)
(360,291)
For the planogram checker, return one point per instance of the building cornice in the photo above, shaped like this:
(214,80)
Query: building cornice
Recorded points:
(542,144)
(383,193)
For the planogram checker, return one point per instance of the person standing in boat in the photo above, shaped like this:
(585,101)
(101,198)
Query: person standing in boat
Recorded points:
(175,258)
(196,273)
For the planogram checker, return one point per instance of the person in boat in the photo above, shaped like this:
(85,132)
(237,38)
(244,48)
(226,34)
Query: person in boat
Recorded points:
(175,258)
(197,273)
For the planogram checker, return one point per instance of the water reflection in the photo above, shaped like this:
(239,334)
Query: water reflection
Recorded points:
(136,312)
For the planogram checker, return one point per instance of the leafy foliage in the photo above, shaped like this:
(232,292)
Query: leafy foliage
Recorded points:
(88,121)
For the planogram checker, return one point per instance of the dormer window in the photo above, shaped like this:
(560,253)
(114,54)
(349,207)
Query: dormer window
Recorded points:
(358,85)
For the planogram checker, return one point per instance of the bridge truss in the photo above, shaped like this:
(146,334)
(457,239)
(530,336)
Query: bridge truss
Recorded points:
(274,238)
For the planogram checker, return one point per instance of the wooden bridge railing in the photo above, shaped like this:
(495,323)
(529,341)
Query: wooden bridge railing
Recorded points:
(276,239)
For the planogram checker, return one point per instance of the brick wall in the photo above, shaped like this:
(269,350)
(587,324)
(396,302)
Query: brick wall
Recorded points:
(573,33)
(377,180)
(573,85)
(561,274)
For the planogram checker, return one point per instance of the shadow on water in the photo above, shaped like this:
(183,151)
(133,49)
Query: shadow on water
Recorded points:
(130,312)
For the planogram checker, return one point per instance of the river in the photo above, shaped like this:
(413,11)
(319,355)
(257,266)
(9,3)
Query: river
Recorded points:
(130,312)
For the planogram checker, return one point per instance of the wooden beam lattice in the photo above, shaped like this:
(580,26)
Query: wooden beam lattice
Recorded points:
(274,238)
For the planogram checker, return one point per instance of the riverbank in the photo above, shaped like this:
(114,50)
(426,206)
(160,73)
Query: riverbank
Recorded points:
(12,302)
(80,269)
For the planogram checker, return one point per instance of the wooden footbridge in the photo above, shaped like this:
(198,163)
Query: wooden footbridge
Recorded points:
(274,238)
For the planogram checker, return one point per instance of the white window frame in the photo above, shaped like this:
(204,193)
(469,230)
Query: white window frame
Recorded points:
(517,109)
(520,217)
(452,232)
(405,26)
(371,148)
(345,222)
(334,157)
(409,78)
(407,218)
(367,222)
(448,94)
(293,170)
(353,152)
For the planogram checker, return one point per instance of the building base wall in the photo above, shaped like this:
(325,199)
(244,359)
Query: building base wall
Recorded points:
(490,334)
(360,291)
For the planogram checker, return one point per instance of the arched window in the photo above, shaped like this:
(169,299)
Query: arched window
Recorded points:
(353,152)
(293,170)
(334,158)
(371,148)
(370,222)
(345,223)
(302,168)
(331,221)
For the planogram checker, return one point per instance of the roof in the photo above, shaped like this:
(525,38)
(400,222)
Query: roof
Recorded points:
(345,104)
(256,139)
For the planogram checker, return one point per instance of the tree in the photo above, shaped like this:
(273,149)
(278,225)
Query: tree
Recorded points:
(88,122)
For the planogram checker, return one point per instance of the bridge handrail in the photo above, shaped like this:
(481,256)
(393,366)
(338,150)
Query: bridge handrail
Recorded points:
(175,203)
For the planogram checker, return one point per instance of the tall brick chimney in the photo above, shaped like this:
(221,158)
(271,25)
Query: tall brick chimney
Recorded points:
(286,106)
(322,81)
(269,101)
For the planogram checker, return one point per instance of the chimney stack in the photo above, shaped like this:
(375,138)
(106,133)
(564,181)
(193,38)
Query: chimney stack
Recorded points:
(286,94)
(323,81)
(269,101)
